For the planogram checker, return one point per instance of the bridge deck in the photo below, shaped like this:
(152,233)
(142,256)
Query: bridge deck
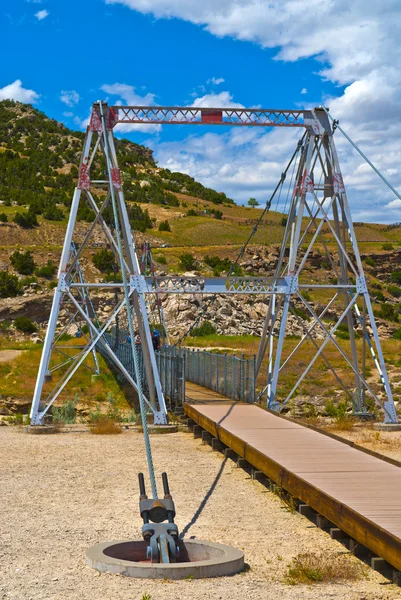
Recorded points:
(356,490)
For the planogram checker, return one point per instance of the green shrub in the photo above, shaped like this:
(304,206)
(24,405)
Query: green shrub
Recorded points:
(3,218)
(164,226)
(25,325)
(379,296)
(162,260)
(387,246)
(10,286)
(301,313)
(207,328)
(53,213)
(104,261)
(370,261)
(283,221)
(47,271)
(396,277)
(397,334)
(394,290)
(191,213)
(67,413)
(222,264)
(25,281)
(187,262)
(27,220)
(387,312)
(23,262)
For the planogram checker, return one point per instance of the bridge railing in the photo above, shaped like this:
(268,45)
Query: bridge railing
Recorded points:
(170,366)
(228,375)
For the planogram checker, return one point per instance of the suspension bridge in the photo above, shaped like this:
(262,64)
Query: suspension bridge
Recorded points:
(356,492)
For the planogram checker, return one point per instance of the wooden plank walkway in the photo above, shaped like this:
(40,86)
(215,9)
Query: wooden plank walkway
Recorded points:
(356,490)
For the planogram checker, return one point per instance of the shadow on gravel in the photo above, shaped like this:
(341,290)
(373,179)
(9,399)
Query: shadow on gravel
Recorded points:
(204,501)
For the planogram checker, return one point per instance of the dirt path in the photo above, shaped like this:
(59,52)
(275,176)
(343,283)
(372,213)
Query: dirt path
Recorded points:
(8,355)
(62,493)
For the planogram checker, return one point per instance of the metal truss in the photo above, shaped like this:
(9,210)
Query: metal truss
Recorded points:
(319,216)
(165,115)
(319,206)
(72,292)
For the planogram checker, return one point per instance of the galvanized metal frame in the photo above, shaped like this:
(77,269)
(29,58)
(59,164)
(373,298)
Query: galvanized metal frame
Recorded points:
(318,150)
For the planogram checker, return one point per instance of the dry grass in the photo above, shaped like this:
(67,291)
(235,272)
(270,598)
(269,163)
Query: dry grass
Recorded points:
(309,567)
(343,423)
(105,426)
(377,440)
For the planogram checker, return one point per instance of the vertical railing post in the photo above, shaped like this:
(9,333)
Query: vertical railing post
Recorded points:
(217,373)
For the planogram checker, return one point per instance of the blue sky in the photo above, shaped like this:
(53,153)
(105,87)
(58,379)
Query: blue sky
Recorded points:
(68,54)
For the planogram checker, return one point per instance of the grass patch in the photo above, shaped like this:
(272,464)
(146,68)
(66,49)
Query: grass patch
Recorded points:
(310,567)
(105,425)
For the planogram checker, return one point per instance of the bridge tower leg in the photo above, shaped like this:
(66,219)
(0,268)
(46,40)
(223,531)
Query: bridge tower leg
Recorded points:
(320,217)
(100,186)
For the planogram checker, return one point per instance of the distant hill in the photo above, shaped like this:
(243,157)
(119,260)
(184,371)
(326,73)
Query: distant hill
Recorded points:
(38,168)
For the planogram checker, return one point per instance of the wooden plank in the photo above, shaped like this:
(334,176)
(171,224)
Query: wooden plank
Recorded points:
(356,491)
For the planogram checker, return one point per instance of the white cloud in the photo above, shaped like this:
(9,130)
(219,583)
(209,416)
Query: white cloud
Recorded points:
(304,91)
(15,91)
(394,205)
(68,114)
(70,97)
(128,94)
(241,162)
(355,44)
(42,14)
(222,100)
(216,80)
(130,97)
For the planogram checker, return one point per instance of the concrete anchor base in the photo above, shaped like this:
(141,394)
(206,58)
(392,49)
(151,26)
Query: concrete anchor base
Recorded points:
(40,429)
(387,426)
(199,560)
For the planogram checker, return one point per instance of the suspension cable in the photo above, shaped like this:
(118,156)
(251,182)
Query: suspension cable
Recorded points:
(129,314)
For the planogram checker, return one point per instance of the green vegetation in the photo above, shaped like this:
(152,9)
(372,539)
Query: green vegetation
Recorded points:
(162,260)
(207,328)
(192,213)
(370,261)
(387,311)
(67,413)
(3,218)
(164,226)
(104,260)
(220,265)
(396,277)
(25,325)
(27,220)
(10,286)
(23,262)
(387,246)
(253,202)
(47,271)
(187,262)
(178,182)
(394,290)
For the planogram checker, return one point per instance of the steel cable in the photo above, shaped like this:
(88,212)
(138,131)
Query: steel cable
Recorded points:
(129,315)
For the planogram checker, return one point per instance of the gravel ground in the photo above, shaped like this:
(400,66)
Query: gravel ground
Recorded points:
(61,493)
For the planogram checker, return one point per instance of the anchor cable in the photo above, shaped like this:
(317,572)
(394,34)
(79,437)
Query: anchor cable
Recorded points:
(129,315)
